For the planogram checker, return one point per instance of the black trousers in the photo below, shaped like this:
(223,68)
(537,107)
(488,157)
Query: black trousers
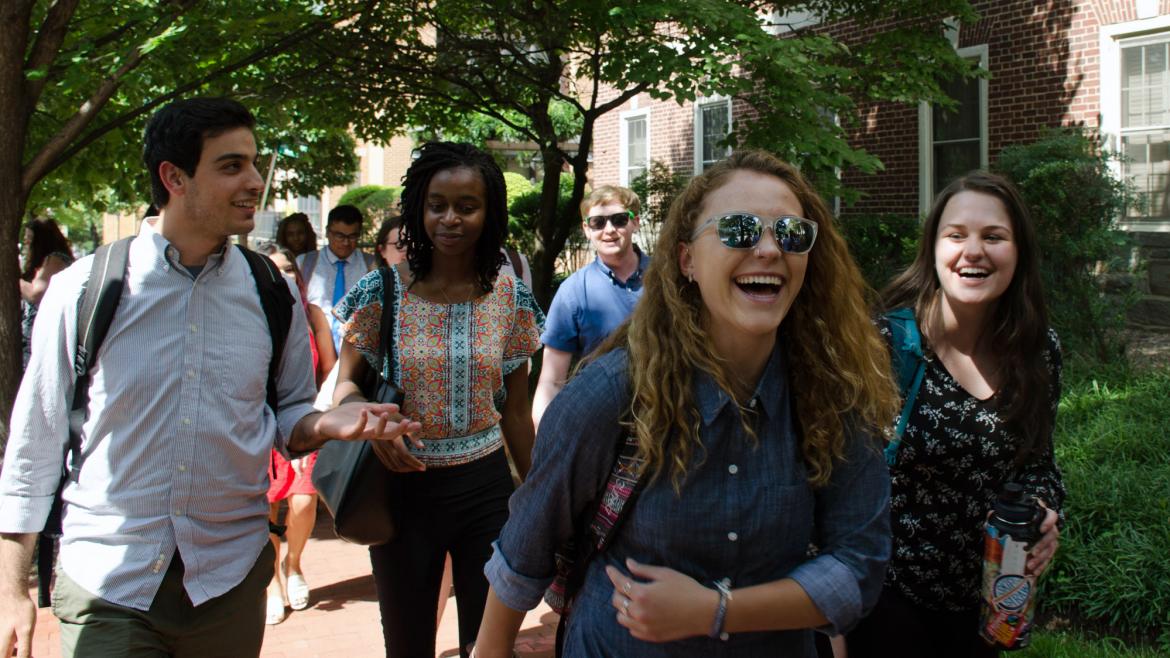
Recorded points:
(458,510)
(899,628)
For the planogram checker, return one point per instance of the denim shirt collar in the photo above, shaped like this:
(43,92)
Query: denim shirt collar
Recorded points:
(770,390)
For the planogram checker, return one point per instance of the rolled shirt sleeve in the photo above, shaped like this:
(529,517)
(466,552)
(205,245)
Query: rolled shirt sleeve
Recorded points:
(845,579)
(570,463)
(39,429)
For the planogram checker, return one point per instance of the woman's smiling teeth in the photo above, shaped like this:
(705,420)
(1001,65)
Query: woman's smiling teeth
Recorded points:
(759,284)
(974,272)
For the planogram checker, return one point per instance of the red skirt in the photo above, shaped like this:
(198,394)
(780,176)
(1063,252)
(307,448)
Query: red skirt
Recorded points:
(284,479)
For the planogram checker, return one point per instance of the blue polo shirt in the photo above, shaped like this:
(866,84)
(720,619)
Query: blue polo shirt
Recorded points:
(589,305)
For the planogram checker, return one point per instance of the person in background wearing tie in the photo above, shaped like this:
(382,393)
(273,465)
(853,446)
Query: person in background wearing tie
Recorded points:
(332,270)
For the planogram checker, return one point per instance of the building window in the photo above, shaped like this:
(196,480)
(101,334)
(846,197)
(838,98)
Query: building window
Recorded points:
(712,125)
(953,142)
(635,145)
(1145,125)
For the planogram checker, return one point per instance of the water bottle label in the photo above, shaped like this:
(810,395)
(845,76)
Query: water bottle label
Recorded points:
(1015,557)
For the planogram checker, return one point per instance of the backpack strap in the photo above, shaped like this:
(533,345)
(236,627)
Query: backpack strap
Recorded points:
(911,367)
(309,266)
(95,311)
(277,303)
(613,506)
(517,264)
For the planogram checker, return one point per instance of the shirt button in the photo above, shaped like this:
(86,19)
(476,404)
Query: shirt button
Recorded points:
(753,402)
(178,512)
(186,421)
(190,374)
(732,536)
(182,467)
(193,328)
(733,469)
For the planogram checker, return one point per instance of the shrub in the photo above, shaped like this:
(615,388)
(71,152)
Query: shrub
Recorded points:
(656,189)
(882,245)
(1075,202)
(357,195)
(1111,572)
(518,186)
(524,212)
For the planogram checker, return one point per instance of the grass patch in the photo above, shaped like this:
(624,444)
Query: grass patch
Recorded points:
(1062,644)
(1113,571)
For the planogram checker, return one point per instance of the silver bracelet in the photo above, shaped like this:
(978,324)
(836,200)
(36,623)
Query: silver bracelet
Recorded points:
(724,587)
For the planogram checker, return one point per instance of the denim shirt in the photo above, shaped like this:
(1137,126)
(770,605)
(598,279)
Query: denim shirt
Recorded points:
(745,512)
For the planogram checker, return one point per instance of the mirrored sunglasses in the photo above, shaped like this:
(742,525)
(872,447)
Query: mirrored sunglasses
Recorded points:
(742,230)
(618,219)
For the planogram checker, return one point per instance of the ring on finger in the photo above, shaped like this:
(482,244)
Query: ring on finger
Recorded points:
(626,588)
(626,605)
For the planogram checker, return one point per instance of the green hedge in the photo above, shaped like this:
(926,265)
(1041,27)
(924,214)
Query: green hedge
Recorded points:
(882,245)
(1113,569)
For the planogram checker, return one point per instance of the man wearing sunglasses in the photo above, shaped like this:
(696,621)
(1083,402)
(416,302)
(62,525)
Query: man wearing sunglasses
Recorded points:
(596,299)
(332,270)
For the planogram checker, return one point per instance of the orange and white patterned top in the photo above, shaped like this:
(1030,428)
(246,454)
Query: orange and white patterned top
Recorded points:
(449,359)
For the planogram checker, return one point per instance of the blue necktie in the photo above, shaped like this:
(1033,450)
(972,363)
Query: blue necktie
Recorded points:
(338,293)
(339,283)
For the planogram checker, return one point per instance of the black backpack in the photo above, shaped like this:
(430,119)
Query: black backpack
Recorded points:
(95,311)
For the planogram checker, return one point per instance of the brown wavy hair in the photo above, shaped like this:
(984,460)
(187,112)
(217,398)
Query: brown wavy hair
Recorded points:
(1018,328)
(838,365)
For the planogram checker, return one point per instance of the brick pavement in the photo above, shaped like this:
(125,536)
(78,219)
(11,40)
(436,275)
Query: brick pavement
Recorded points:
(342,618)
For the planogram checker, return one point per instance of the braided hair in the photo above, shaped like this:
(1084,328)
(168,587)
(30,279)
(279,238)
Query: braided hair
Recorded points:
(434,157)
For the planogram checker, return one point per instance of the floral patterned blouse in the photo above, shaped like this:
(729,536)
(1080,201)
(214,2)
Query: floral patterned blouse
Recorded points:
(955,456)
(450,359)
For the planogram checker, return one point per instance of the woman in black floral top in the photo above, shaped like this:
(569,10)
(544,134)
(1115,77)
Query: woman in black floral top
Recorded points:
(983,416)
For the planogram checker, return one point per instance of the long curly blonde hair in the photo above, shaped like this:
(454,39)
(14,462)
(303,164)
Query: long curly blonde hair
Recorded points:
(838,365)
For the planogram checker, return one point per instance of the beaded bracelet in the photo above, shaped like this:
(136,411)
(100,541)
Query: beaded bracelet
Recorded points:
(724,587)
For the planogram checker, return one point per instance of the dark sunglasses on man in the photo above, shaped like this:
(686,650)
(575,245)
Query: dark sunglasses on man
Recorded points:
(743,230)
(618,219)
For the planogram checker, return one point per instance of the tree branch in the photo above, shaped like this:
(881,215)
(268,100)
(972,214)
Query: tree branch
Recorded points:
(44,50)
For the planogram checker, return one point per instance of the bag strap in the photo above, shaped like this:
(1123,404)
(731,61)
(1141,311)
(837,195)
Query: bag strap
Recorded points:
(277,303)
(517,264)
(96,305)
(386,323)
(310,265)
(910,364)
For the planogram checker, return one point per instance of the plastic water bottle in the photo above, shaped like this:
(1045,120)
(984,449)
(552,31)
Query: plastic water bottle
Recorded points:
(1009,593)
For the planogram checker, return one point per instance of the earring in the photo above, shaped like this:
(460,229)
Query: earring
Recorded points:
(691,277)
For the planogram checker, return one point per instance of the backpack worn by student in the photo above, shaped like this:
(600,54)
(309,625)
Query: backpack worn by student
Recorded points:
(95,311)
(910,364)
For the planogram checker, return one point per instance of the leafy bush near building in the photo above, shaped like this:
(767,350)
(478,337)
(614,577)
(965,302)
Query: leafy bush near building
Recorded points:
(882,245)
(1075,202)
(1111,573)
(656,189)
(377,203)
(524,211)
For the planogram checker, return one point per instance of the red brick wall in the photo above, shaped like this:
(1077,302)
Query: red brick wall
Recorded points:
(1043,59)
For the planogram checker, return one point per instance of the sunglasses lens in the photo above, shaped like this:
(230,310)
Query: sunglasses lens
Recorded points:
(795,235)
(738,231)
(618,219)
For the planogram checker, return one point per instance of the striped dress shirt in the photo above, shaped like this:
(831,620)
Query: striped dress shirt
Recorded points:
(175,441)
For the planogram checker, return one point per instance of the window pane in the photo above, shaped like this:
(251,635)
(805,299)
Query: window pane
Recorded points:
(953,160)
(1147,165)
(636,141)
(716,123)
(963,123)
(1145,86)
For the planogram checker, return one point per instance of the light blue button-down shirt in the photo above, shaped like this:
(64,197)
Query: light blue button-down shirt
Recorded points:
(177,435)
(746,513)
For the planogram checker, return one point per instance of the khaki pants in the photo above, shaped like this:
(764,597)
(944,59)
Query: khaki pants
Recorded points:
(231,625)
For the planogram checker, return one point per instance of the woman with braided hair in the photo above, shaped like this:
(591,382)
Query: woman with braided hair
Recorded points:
(461,337)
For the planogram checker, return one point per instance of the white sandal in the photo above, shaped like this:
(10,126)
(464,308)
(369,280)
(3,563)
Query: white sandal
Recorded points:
(298,591)
(275,613)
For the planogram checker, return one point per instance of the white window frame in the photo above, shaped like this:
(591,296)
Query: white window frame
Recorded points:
(700,105)
(926,132)
(624,142)
(1112,38)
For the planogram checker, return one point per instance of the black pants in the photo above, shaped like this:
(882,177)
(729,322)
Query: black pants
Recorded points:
(458,510)
(899,628)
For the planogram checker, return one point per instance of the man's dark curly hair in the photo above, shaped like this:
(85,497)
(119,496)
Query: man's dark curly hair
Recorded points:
(434,157)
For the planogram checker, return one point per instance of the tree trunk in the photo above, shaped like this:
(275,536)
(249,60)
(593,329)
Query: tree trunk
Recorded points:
(543,262)
(14,22)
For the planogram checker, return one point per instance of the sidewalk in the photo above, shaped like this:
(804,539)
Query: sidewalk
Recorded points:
(342,618)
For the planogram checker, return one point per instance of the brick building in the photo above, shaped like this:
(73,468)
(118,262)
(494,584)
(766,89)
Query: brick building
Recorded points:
(1102,64)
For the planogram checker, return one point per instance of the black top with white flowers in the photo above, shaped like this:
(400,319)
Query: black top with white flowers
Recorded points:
(955,456)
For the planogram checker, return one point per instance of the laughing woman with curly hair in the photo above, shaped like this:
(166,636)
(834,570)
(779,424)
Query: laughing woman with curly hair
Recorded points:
(756,386)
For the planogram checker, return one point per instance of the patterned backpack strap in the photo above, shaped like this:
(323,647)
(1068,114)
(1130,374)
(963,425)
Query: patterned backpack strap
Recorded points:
(613,506)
